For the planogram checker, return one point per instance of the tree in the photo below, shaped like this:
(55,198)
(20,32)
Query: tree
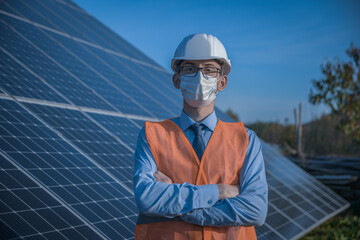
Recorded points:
(340,89)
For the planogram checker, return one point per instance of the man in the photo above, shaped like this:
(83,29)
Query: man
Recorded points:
(195,176)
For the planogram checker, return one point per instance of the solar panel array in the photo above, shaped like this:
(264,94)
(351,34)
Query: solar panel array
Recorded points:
(73,97)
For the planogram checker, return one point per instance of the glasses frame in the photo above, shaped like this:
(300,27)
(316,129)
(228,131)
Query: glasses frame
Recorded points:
(201,69)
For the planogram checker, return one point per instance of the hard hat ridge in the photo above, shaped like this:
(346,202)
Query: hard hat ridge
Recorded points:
(201,46)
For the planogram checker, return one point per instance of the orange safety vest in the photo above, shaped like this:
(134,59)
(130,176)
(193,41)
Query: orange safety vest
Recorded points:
(175,157)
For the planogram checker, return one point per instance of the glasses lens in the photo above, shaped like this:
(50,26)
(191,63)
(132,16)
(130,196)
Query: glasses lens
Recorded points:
(188,70)
(210,71)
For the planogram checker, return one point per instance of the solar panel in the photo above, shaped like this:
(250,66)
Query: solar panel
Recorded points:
(126,129)
(29,210)
(92,138)
(38,63)
(76,177)
(18,81)
(73,97)
(297,201)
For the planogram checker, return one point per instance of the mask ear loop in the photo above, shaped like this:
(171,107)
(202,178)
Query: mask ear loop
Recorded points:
(216,91)
(217,80)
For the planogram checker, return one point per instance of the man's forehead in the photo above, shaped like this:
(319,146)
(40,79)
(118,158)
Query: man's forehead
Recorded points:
(202,62)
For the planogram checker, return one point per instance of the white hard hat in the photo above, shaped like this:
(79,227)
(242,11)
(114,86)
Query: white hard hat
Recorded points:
(201,46)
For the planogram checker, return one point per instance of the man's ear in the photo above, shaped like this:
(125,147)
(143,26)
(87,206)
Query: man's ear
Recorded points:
(221,84)
(176,80)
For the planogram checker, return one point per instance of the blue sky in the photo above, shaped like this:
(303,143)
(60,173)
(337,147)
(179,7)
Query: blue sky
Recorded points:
(275,47)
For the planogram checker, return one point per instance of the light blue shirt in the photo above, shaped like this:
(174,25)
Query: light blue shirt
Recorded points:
(200,204)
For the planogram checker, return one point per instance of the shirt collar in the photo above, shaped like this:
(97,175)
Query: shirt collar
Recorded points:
(210,121)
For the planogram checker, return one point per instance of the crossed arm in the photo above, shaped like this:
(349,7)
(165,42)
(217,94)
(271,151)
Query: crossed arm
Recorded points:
(225,190)
(206,205)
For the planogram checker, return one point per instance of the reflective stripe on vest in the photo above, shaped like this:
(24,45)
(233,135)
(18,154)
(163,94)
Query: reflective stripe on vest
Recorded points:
(221,163)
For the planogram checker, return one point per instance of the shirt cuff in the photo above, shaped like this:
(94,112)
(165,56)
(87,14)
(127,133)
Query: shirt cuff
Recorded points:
(194,217)
(208,195)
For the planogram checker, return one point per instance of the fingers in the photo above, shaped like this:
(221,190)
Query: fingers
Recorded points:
(228,191)
(237,190)
(161,177)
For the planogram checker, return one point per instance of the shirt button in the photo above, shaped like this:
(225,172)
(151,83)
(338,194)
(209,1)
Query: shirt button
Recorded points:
(209,202)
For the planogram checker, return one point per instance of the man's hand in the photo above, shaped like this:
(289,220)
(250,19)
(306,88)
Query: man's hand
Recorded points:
(160,177)
(228,191)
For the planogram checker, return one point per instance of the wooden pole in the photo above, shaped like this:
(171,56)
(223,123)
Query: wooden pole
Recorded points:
(296,131)
(301,154)
(298,134)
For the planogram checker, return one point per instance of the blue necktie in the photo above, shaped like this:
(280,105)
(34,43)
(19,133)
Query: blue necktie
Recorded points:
(198,144)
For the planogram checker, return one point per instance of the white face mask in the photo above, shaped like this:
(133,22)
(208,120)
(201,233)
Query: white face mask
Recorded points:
(198,91)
